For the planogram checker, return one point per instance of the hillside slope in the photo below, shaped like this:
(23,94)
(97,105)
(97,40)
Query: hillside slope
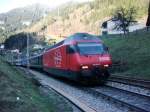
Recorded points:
(30,13)
(131,53)
(85,17)
(19,18)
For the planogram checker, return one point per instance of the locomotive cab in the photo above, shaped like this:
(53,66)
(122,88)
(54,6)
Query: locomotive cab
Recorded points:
(91,59)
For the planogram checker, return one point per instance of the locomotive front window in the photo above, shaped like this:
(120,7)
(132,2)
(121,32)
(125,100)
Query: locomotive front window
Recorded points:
(91,48)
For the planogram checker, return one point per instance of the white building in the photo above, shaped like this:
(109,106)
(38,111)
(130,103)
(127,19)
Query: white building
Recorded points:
(15,51)
(110,28)
(2,46)
(36,46)
(3,28)
(27,23)
(2,22)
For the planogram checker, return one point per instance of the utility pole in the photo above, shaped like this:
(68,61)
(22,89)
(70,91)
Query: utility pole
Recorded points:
(28,63)
(28,55)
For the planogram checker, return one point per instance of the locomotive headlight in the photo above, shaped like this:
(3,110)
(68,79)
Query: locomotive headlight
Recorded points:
(85,67)
(106,65)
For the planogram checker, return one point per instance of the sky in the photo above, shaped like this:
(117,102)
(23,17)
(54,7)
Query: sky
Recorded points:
(6,5)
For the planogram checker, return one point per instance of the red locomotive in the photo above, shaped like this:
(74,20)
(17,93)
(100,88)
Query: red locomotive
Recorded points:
(80,57)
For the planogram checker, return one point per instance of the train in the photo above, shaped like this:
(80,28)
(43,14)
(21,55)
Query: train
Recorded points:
(80,57)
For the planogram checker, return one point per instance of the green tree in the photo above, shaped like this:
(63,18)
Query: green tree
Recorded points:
(19,41)
(123,18)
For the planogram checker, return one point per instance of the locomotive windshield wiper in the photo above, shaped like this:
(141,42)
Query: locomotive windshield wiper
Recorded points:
(86,55)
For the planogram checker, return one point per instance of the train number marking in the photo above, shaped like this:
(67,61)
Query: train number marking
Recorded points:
(57,58)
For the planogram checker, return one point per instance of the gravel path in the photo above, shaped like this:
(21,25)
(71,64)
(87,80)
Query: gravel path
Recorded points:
(98,103)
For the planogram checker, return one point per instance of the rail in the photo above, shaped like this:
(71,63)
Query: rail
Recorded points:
(131,81)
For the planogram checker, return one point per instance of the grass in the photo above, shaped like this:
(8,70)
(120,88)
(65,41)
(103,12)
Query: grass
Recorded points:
(19,93)
(131,53)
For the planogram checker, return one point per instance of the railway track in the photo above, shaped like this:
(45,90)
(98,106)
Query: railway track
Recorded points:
(131,81)
(97,99)
(78,96)
(135,102)
(81,106)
